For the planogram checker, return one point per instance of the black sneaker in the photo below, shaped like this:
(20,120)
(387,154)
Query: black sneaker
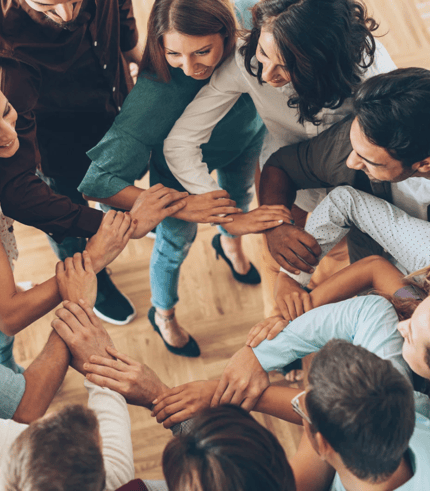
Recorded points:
(111,305)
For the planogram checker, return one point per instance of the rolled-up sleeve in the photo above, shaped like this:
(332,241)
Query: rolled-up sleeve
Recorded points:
(319,161)
(117,161)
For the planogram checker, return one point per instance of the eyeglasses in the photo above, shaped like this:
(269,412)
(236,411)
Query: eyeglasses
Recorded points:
(297,409)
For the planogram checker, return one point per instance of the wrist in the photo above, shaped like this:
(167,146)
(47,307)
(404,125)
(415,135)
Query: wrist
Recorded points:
(96,261)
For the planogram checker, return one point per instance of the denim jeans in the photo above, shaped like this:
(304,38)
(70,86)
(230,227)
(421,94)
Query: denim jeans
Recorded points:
(175,237)
(66,186)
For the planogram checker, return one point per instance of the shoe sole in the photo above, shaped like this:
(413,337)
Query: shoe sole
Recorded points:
(114,321)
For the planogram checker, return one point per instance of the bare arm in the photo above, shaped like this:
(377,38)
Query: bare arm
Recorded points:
(42,380)
(19,309)
(288,244)
(200,208)
(124,199)
(371,272)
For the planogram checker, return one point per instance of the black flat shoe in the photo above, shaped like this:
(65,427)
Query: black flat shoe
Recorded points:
(191,349)
(252,277)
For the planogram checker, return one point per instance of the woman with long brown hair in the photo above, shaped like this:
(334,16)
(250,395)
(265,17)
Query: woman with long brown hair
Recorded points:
(187,42)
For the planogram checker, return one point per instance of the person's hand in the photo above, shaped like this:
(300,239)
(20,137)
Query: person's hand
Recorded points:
(134,71)
(258,220)
(111,238)
(207,208)
(242,382)
(292,247)
(267,329)
(76,278)
(183,402)
(153,205)
(82,331)
(136,382)
(290,297)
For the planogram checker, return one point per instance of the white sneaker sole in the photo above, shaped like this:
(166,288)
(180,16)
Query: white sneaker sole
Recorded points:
(114,321)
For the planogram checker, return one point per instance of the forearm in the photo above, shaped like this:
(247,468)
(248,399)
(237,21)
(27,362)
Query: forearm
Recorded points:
(43,378)
(29,200)
(20,309)
(276,187)
(276,401)
(124,199)
(372,272)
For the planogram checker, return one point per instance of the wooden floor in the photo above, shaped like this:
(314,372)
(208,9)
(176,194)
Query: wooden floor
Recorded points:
(214,308)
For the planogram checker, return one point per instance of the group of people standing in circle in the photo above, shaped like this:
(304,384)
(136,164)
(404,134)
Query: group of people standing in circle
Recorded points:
(295,96)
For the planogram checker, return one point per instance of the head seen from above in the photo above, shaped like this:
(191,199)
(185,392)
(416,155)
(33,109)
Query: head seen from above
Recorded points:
(390,135)
(321,46)
(9,142)
(193,36)
(416,334)
(353,401)
(63,13)
(59,451)
(226,450)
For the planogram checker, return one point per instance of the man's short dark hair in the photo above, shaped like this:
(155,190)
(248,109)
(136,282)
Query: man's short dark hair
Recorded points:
(58,452)
(363,407)
(393,112)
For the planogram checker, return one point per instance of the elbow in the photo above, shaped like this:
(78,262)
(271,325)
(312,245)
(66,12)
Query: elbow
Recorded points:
(10,325)
(27,416)
(27,411)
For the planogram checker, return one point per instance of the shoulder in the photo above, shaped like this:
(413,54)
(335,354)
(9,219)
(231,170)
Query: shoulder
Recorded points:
(382,62)
(231,75)
(20,83)
(376,306)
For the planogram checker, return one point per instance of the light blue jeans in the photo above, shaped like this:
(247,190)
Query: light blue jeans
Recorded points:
(175,237)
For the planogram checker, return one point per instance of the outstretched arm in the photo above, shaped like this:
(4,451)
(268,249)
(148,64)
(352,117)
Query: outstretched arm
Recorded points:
(19,309)
(398,233)
(42,380)
(291,247)
(373,272)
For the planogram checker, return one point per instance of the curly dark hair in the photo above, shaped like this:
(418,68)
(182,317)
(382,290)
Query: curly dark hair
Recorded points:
(325,45)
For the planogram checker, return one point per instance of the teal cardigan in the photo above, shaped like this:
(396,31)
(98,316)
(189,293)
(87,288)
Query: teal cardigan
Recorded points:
(137,135)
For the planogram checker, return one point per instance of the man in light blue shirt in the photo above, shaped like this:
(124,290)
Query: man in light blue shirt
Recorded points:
(369,321)
(358,414)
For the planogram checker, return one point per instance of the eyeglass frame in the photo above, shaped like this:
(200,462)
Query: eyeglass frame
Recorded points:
(297,409)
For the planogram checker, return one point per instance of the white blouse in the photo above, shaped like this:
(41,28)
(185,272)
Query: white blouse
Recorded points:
(214,101)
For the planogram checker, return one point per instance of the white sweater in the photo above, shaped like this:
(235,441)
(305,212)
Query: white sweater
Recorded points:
(214,101)
(115,430)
